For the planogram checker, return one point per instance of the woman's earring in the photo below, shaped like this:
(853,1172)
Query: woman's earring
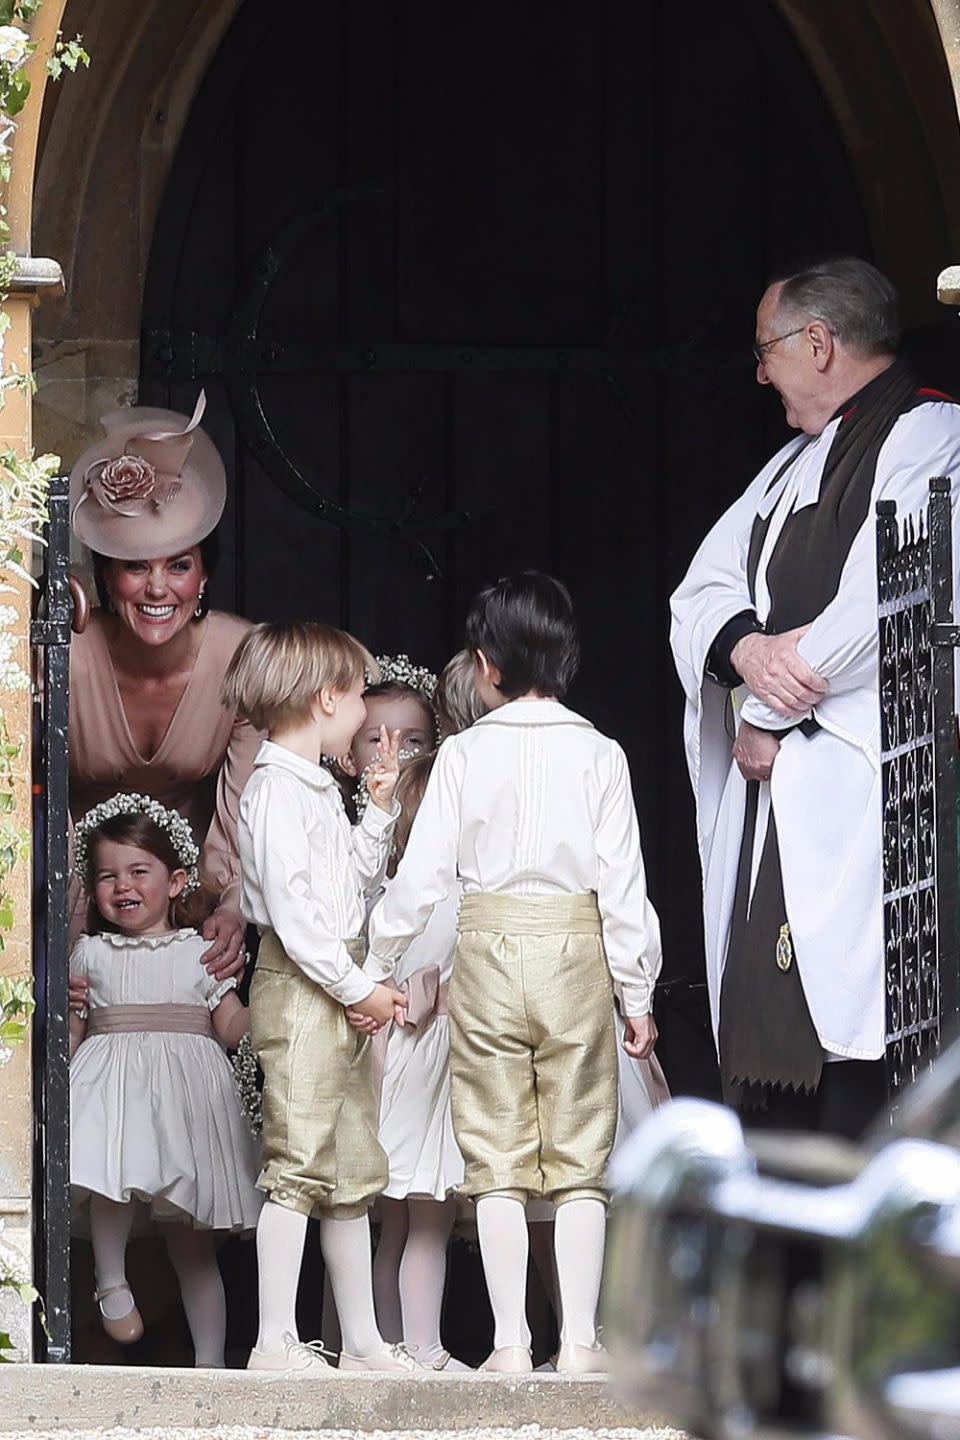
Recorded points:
(198,613)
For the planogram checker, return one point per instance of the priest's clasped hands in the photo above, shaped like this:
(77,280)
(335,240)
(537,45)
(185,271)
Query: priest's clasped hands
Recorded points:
(775,672)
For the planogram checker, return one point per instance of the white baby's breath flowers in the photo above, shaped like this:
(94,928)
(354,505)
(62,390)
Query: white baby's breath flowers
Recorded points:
(245,1073)
(400,670)
(14,46)
(12,674)
(175,824)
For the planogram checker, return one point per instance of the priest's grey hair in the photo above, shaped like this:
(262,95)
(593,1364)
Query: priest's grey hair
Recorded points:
(854,300)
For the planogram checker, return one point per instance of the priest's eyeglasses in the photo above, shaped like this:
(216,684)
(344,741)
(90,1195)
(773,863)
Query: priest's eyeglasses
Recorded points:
(762,345)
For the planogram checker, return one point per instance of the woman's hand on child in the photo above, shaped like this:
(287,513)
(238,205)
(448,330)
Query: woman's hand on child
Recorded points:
(79,995)
(640,1036)
(225,956)
(382,1005)
(384,771)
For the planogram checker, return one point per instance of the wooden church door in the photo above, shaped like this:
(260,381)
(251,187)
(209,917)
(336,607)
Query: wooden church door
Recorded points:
(470,289)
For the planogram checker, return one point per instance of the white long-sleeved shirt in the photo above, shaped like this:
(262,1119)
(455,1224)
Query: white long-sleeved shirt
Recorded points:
(531,800)
(305,869)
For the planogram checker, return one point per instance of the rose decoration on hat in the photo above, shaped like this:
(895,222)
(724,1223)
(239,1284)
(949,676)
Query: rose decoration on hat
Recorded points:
(122,482)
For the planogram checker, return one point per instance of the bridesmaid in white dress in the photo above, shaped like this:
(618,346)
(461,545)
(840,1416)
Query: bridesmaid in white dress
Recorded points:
(418,1208)
(155,1118)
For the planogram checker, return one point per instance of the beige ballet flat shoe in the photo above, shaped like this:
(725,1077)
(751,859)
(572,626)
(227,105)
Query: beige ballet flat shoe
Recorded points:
(391,1360)
(302,1357)
(511,1360)
(449,1363)
(582,1360)
(126,1330)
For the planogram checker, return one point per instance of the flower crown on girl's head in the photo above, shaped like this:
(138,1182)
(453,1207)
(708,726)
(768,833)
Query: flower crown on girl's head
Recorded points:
(400,670)
(176,826)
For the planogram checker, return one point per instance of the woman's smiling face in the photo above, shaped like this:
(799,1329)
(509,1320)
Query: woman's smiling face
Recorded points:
(155,599)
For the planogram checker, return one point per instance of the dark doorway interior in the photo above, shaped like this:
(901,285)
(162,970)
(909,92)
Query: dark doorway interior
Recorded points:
(481,278)
(501,261)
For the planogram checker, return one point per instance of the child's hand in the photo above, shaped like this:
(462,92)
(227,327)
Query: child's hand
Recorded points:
(640,1036)
(363,1023)
(380,1006)
(384,771)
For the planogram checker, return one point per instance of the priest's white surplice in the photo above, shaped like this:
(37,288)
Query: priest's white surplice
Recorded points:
(825,790)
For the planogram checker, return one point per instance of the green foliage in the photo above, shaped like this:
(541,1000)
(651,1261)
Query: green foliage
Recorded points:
(13,10)
(67,55)
(16,1007)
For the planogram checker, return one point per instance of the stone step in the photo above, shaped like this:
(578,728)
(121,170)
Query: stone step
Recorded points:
(45,1398)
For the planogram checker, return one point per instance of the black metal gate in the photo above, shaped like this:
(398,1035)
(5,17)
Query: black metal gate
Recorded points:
(918,743)
(50,640)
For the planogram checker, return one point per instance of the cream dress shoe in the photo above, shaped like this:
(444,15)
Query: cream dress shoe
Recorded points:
(303,1357)
(126,1329)
(391,1360)
(511,1360)
(582,1360)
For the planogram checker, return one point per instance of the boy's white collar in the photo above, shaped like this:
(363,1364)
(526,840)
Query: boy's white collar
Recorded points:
(533,712)
(270,753)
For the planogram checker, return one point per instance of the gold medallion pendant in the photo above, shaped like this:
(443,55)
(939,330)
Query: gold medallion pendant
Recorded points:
(784,949)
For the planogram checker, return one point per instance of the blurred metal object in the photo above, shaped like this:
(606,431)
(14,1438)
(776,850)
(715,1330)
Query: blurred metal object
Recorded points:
(739,1302)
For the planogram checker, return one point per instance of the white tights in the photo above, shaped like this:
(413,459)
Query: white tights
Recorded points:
(504,1249)
(346,1253)
(194,1258)
(579,1234)
(410,1271)
(193,1255)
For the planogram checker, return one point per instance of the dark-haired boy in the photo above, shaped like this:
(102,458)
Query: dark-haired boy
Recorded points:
(532,810)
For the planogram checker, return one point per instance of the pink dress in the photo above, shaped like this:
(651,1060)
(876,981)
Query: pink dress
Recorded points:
(203,761)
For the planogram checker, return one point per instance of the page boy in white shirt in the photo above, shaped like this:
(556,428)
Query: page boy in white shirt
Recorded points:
(531,809)
(304,874)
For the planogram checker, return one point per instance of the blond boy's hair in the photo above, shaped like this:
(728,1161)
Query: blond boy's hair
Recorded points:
(279,669)
(457,701)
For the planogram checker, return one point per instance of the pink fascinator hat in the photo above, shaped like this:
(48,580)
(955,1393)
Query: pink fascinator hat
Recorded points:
(154,485)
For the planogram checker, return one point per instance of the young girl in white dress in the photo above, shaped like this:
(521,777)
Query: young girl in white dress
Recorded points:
(155,1119)
(418,1208)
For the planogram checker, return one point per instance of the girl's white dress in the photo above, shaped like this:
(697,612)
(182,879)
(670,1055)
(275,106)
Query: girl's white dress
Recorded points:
(155,1116)
(416,1128)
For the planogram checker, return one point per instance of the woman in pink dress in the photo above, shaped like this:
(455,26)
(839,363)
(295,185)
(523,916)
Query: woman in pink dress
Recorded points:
(145,675)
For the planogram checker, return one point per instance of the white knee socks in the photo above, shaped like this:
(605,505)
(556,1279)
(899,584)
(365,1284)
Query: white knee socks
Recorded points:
(504,1247)
(194,1257)
(423,1274)
(110,1224)
(579,1236)
(346,1254)
(386,1268)
(281,1234)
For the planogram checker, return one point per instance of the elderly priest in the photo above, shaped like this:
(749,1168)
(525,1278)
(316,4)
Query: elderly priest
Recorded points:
(775,640)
